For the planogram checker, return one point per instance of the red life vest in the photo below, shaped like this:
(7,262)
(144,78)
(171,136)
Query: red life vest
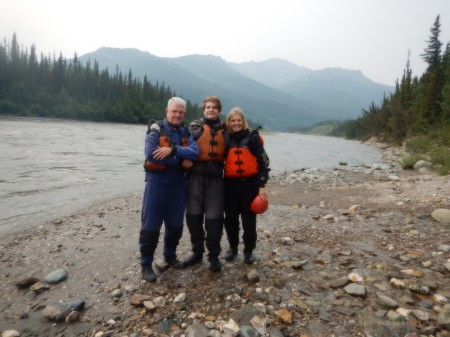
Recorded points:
(164,141)
(211,144)
(240,162)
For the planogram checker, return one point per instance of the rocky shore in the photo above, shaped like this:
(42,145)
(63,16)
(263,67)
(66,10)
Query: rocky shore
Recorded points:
(352,251)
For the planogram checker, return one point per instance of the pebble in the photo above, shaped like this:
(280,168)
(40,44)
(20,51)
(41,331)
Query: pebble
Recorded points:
(11,333)
(56,276)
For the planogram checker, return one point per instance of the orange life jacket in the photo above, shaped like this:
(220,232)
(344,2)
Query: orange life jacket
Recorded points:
(211,144)
(164,141)
(240,162)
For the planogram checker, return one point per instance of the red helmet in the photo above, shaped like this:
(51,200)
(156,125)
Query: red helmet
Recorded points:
(259,205)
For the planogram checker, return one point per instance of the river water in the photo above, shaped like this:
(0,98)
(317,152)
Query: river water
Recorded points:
(50,168)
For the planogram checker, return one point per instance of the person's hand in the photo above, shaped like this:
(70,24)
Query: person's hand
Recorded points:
(187,164)
(162,152)
(263,193)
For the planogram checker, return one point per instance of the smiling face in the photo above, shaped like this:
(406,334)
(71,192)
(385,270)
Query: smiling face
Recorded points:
(236,122)
(211,110)
(175,114)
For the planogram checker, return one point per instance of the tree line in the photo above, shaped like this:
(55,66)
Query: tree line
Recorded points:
(417,107)
(45,86)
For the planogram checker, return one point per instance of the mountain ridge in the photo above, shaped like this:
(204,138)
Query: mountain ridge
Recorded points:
(276,93)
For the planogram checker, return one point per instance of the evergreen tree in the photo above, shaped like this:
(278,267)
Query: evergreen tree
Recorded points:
(446,89)
(432,53)
(432,81)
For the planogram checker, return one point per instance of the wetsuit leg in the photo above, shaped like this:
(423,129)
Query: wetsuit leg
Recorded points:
(195,213)
(173,218)
(214,229)
(214,205)
(249,192)
(232,211)
(152,218)
(195,226)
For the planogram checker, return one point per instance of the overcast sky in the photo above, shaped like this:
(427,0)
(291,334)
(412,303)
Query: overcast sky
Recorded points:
(373,36)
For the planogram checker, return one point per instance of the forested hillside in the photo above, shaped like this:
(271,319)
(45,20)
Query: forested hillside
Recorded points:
(417,113)
(45,86)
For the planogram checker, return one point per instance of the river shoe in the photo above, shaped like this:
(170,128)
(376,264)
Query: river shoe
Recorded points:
(215,265)
(231,255)
(174,262)
(193,259)
(248,258)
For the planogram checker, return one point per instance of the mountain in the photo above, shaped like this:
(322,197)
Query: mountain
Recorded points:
(337,93)
(276,93)
(273,72)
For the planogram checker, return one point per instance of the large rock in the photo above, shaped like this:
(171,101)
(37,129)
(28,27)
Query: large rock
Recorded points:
(442,215)
(422,164)
(444,317)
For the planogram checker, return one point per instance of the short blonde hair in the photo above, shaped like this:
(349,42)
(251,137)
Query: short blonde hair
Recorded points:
(237,111)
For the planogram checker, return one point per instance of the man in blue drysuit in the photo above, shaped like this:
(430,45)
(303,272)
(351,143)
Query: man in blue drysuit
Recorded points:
(167,145)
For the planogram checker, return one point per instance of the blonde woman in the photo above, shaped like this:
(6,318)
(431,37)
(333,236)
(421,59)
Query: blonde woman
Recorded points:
(246,174)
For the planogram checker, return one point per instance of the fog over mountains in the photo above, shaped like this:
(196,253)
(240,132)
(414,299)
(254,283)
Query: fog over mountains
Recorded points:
(276,93)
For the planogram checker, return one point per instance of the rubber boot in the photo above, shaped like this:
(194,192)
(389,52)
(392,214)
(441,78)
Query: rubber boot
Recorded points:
(231,255)
(214,264)
(172,237)
(148,240)
(248,258)
(148,274)
(214,229)
(195,226)
(192,260)
(174,262)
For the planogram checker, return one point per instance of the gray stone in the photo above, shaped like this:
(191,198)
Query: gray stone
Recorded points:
(275,332)
(356,290)
(253,276)
(444,317)
(56,276)
(116,293)
(386,301)
(421,163)
(447,266)
(196,330)
(248,331)
(394,316)
(441,215)
(339,282)
(425,304)
(444,248)
(214,333)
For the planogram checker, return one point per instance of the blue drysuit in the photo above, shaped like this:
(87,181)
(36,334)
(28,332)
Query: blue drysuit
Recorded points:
(165,194)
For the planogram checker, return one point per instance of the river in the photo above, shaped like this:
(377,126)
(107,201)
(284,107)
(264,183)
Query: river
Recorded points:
(50,168)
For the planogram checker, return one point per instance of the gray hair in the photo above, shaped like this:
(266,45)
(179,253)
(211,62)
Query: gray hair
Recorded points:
(176,100)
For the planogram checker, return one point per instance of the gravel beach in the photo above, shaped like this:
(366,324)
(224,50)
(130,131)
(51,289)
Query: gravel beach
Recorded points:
(350,251)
